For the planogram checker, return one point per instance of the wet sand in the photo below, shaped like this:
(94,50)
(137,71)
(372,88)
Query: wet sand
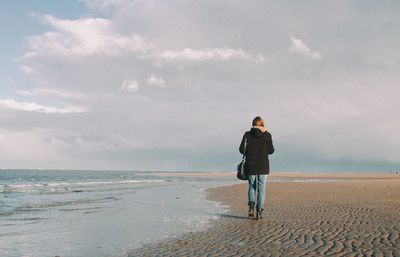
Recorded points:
(347,216)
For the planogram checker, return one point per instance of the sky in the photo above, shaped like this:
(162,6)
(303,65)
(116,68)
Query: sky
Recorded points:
(173,85)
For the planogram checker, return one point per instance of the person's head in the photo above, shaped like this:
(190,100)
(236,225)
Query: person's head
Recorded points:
(257,121)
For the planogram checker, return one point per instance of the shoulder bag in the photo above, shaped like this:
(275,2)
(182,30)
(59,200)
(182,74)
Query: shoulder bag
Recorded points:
(241,173)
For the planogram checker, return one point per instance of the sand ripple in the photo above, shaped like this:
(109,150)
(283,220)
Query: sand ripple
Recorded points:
(341,218)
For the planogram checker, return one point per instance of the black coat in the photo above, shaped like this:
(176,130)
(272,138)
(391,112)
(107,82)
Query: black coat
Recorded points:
(259,145)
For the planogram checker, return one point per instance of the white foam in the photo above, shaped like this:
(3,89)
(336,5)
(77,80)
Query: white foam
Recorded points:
(54,185)
(107,182)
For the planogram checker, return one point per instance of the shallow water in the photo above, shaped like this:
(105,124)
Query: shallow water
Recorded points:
(98,213)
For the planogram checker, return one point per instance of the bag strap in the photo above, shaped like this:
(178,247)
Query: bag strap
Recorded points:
(245,146)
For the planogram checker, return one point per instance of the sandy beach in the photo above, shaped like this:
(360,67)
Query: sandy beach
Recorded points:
(347,216)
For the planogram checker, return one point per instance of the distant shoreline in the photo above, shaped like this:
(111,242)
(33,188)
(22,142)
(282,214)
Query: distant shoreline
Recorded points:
(294,175)
(392,172)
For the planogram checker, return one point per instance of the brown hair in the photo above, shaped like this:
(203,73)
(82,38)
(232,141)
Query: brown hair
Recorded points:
(257,121)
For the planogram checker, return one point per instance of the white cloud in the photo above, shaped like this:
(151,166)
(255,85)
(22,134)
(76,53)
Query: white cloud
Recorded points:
(222,54)
(82,37)
(24,92)
(299,47)
(99,36)
(129,86)
(21,148)
(153,80)
(27,69)
(34,107)
(60,93)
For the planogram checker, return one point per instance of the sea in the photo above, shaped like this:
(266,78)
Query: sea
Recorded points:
(71,213)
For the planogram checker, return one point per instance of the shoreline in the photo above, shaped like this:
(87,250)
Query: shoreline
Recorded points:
(349,216)
(292,175)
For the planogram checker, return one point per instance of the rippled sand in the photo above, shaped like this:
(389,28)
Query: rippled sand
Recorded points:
(348,216)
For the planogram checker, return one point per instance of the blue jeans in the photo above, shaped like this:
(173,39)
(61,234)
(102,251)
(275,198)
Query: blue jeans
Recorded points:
(261,180)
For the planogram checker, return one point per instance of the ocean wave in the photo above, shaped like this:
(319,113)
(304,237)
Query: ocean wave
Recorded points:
(39,207)
(69,186)
(6,213)
(5,189)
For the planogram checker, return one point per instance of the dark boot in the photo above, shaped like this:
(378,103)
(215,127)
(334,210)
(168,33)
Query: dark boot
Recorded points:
(259,214)
(251,209)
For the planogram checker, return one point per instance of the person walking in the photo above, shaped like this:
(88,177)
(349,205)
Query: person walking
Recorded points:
(259,145)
